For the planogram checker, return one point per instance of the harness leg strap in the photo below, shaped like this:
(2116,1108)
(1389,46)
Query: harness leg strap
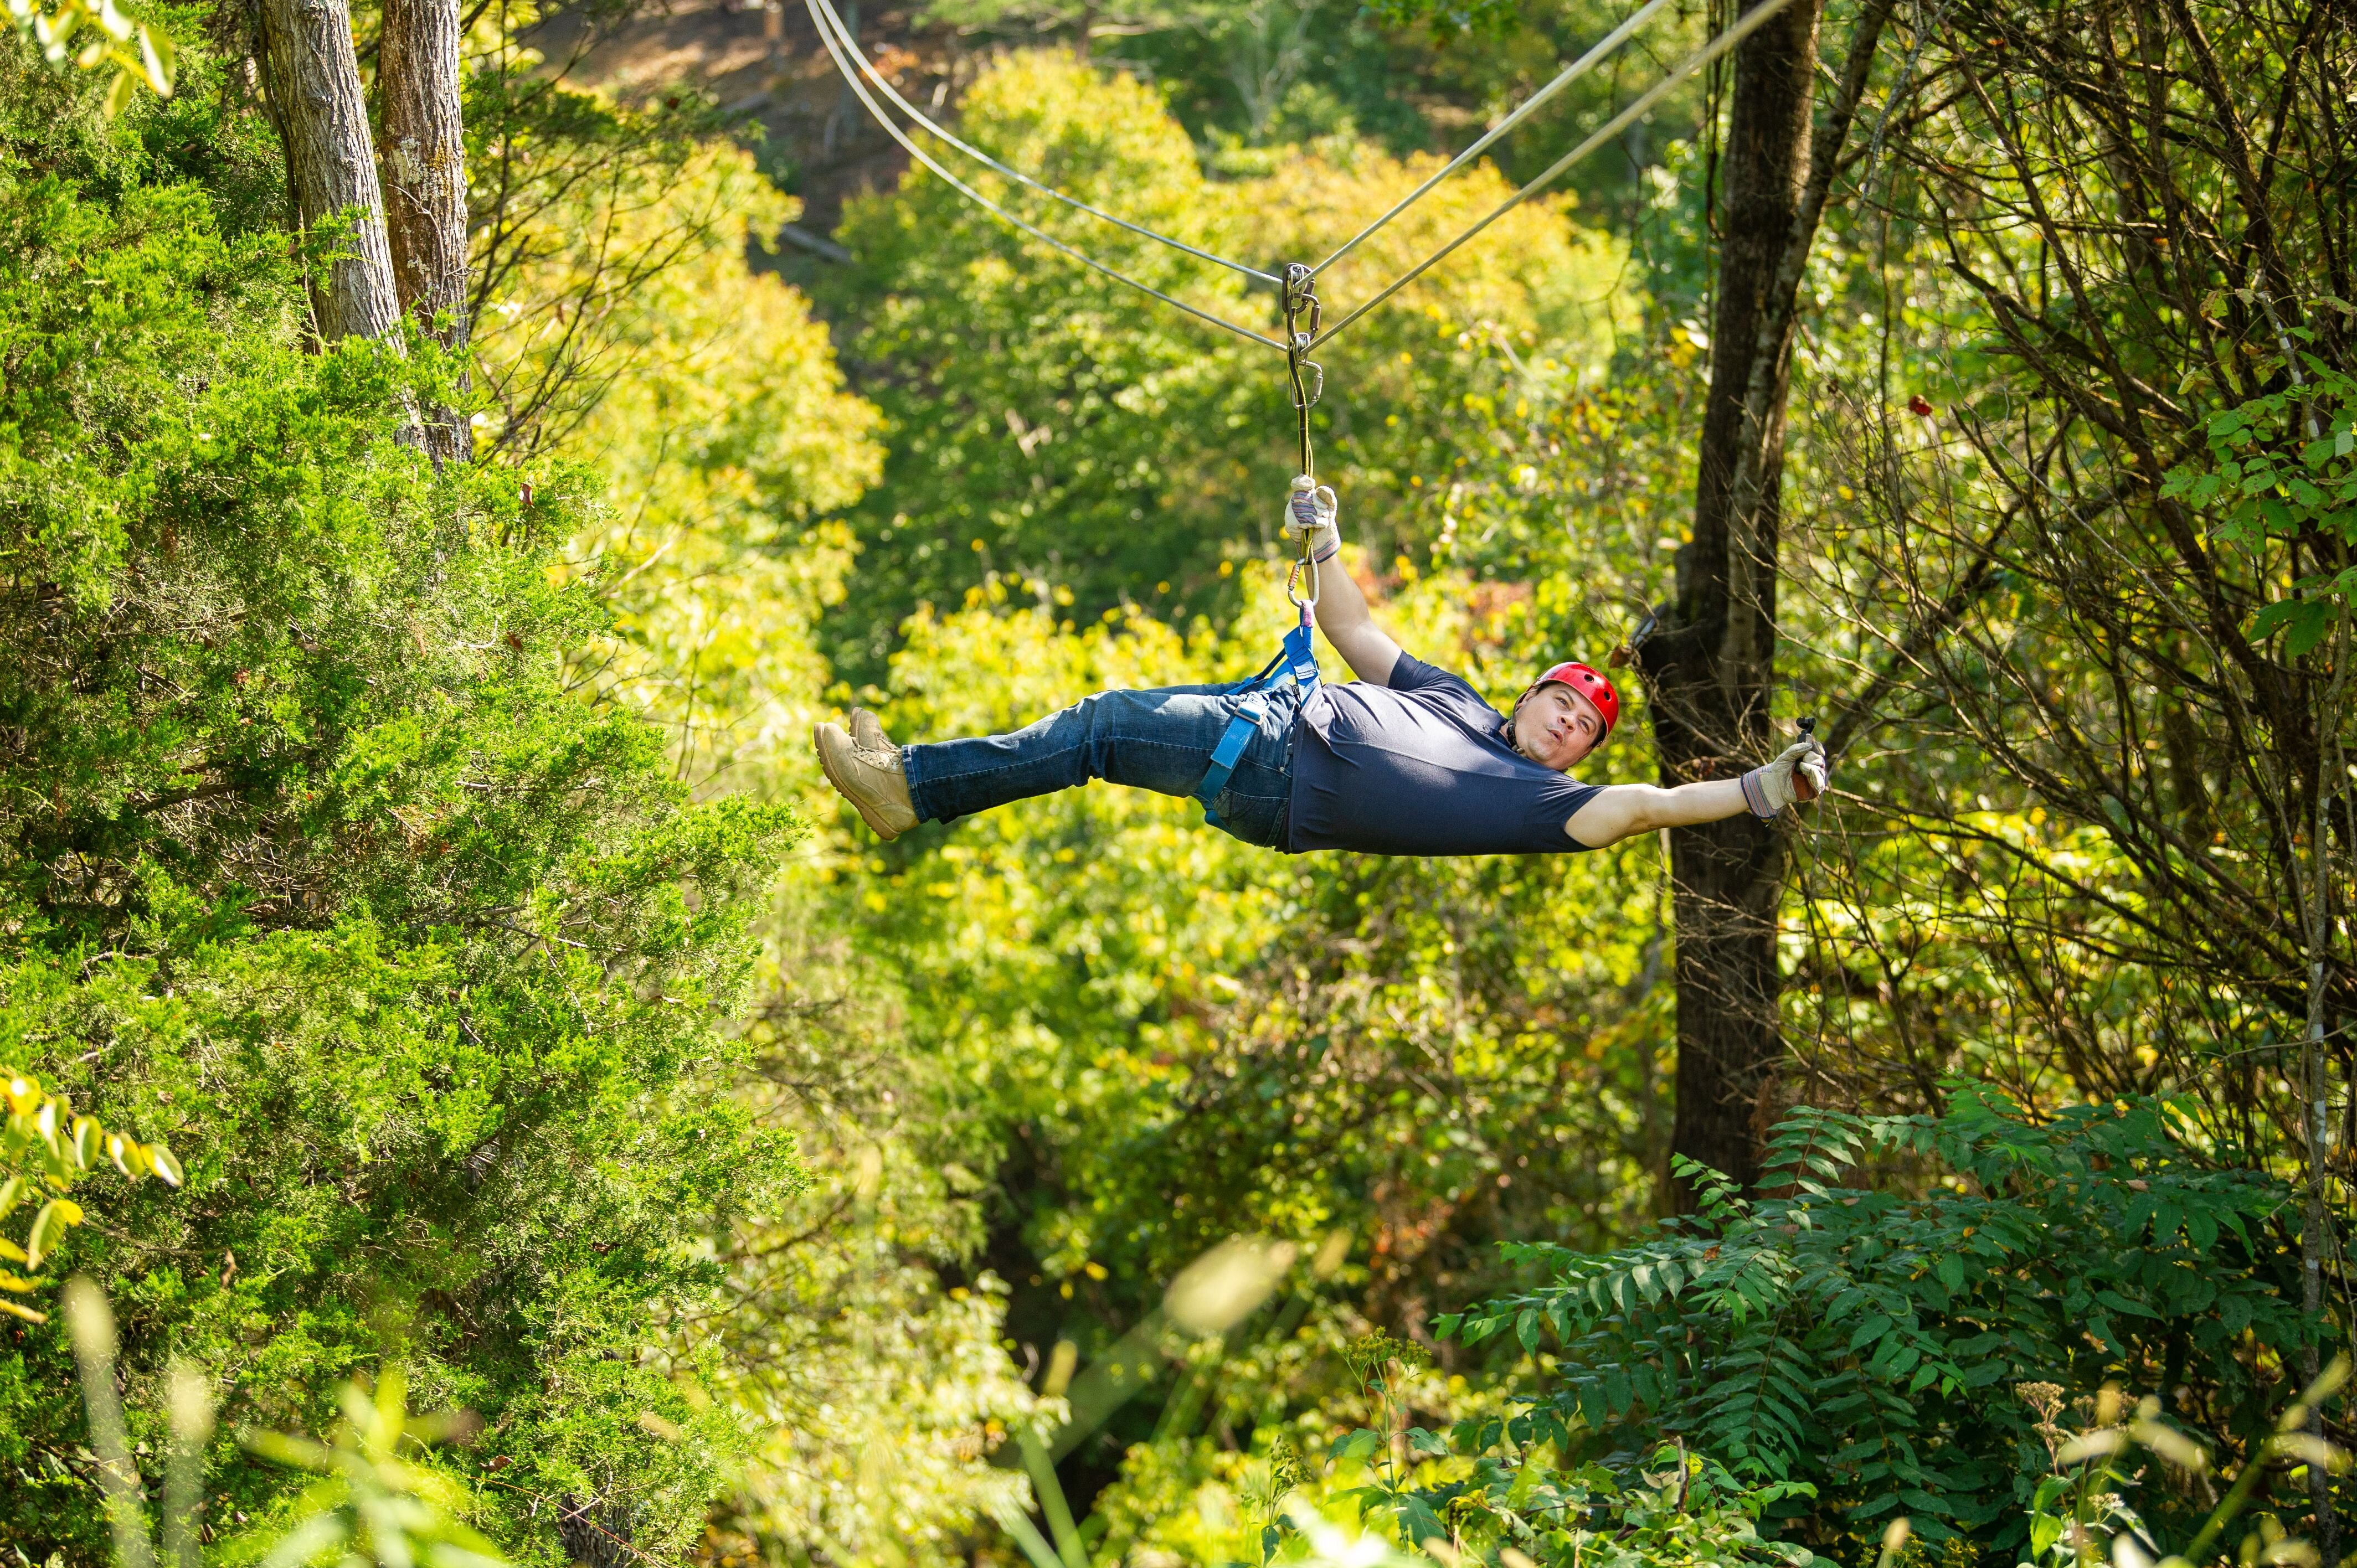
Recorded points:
(1228,753)
(1298,658)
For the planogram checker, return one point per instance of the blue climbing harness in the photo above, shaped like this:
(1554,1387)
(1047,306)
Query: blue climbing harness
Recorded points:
(1296,661)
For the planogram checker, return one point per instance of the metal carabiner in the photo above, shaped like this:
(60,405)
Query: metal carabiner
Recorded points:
(1300,298)
(1306,394)
(1308,565)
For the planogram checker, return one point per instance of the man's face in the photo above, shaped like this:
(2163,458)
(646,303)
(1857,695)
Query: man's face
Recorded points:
(1557,727)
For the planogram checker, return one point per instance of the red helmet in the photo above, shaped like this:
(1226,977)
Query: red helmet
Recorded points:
(1588,684)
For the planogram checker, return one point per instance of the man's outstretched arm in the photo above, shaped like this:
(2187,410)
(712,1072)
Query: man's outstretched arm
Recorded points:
(1619,811)
(1623,810)
(1342,613)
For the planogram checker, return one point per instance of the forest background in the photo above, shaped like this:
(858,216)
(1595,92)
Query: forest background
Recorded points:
(410,821)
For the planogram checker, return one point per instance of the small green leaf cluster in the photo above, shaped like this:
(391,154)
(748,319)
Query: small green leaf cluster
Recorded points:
(1448,19)
(1666,1508)
(1863,1341)
(1517,1505)
(2284,468)
(1372,1356)
(2087,1501)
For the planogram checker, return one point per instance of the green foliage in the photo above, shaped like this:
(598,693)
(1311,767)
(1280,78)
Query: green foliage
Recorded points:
(1129,986)
(629,332)
(1111,1040)
(865,1345)
(45,1152)
(1139,1038)
(1865,1342)
(1666,1509)
(317,868)
(1375,1490)
(1446,18)
(2281,469)
(1257,81)
(1042,419)
(1122,1039)
(359,839)
(2086,1502)
(1254,68)
(376,1500)
(708,400)
(2081,854)
(616,300)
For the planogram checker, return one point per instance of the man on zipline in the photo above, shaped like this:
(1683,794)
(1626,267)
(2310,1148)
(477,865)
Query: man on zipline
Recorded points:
(1408,759)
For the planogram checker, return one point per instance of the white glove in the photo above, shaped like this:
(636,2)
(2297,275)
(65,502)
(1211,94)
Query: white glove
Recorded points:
(1799,773)
(1310,514)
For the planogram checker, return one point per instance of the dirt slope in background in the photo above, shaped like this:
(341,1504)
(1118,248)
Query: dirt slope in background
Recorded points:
(768,65)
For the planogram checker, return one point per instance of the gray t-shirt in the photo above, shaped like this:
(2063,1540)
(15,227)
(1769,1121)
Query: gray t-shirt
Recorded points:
(1421,767)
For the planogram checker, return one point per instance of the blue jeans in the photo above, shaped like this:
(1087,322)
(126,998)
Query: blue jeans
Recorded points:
(1159,740)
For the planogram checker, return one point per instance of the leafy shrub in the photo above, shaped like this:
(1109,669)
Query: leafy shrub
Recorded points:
(1045,425)
(1868,1343)
(2266,482)
(1519,1504)
(314,866)
(1376,1491)
(2087,1501)
(1662,1509)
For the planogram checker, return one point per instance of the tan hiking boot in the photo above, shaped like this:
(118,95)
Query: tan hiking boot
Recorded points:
(868,732)
(871,780)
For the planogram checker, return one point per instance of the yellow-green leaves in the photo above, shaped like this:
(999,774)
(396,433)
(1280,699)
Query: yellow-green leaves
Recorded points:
(1048,426)
(494,1020)
(95,37)
(49,1224)
(722,430)
(44,1150)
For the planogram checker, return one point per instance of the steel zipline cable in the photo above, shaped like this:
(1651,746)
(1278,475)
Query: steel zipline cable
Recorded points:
(1569,74)
(883,84)
(822,16)
(844,49)
(1743,28)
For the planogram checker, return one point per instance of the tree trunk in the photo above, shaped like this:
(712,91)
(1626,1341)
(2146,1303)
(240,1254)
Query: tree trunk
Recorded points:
(1711,667)
(846,100)
(314,86)
(2316,1091)
(426,185)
